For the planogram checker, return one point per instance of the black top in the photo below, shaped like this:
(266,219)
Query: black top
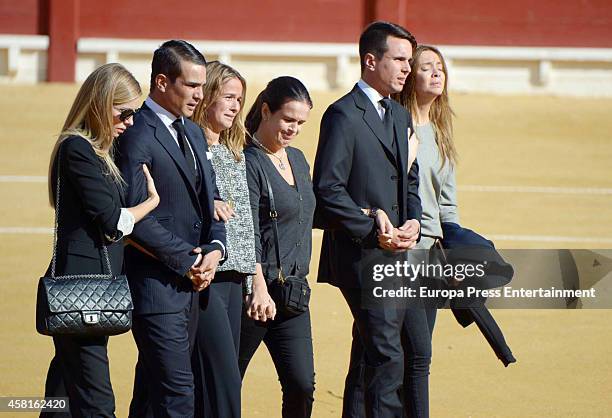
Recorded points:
(294,205)
(90,205)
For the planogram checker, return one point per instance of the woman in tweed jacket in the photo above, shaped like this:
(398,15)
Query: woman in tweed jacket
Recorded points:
(215,358)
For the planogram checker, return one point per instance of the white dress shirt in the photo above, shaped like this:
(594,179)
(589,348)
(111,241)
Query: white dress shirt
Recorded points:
(167,119)
(374,96)
(126,222)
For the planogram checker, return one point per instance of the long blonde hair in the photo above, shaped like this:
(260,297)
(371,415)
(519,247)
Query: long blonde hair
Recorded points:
(440,113)
(217,74)
(91,114)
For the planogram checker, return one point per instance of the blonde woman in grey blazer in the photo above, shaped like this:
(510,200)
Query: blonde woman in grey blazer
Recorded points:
(426,96)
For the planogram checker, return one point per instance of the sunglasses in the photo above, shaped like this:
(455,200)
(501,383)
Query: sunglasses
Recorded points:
(126,114)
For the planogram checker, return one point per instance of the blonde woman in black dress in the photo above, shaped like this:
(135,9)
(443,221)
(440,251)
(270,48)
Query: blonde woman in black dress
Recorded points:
(91,210)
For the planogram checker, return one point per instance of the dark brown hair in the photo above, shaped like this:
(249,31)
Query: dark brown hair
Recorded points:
(373,40)
(167,59)
(278,92)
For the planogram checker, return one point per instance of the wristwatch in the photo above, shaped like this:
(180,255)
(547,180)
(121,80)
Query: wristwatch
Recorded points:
(373,212)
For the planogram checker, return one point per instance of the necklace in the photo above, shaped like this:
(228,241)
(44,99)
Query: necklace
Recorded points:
(281,165)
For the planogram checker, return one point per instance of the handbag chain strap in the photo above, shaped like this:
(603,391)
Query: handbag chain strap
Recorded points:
(274,219)
(56,227)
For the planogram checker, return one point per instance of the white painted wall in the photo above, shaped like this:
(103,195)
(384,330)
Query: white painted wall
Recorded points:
(498,70)
(23,58)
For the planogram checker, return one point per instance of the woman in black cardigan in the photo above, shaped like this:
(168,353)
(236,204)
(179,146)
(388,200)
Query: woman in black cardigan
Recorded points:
(272,123)
(90,212)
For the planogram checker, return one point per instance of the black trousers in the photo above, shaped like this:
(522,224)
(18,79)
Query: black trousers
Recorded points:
(377,358)
(416,333)
(215,356)
(80,371)
(406,332)
(163,381)
(289,341)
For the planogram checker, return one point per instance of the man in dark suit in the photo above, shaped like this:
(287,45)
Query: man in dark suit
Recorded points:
(368,204)
(174,251)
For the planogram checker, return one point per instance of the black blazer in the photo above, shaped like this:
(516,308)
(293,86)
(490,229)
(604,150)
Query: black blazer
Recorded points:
(355,168)
(183,220)
(90,206)
(497,273)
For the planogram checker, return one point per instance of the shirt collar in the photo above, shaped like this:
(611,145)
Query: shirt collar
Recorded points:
(166,117)
(373,94)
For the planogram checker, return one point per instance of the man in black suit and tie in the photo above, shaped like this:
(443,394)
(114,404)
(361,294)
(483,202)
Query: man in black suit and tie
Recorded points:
(175,250)
(368,205)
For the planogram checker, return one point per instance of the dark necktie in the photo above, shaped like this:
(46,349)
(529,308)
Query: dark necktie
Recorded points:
(388,124)
(388,120)
(185,149)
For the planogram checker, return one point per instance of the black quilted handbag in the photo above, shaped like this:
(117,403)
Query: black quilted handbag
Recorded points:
(84,304)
